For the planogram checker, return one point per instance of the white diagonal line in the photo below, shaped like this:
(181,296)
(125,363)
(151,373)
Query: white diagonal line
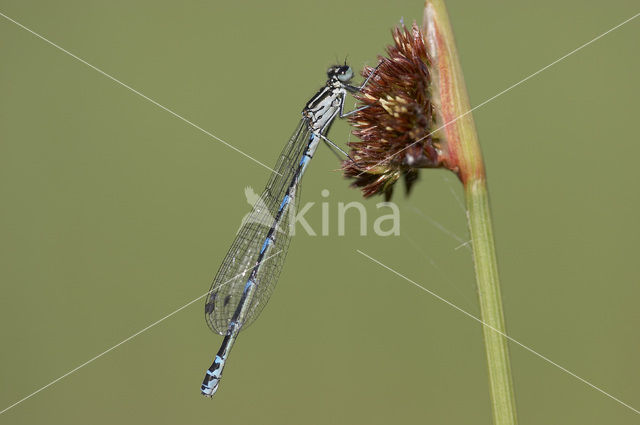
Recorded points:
(504,91)
(128,339)
(531,350)
(439,226)
(192,124)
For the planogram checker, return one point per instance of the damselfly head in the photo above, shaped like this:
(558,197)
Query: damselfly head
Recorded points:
(342,73)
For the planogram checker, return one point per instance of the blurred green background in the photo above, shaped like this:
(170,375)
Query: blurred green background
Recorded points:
(115,213)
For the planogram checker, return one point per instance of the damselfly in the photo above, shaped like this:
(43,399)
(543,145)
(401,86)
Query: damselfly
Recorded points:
(250,270)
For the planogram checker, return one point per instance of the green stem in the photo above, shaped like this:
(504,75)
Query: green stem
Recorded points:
(486,266)
(465,158)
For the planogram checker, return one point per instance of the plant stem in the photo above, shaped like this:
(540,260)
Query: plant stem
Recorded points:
(465,157)
(486,267)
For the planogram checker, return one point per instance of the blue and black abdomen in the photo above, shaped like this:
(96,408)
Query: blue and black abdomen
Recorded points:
(268,223)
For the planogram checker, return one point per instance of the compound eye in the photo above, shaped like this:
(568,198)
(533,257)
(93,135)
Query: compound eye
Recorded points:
(346,74)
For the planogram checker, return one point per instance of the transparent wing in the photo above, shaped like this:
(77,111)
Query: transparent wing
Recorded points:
(228,285)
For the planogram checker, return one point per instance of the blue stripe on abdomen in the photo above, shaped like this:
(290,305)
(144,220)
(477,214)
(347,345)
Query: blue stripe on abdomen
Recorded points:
(304,159)
(285,201)
(265,245)
(248,285)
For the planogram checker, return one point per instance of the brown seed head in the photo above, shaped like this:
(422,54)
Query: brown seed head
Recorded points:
(394,129)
